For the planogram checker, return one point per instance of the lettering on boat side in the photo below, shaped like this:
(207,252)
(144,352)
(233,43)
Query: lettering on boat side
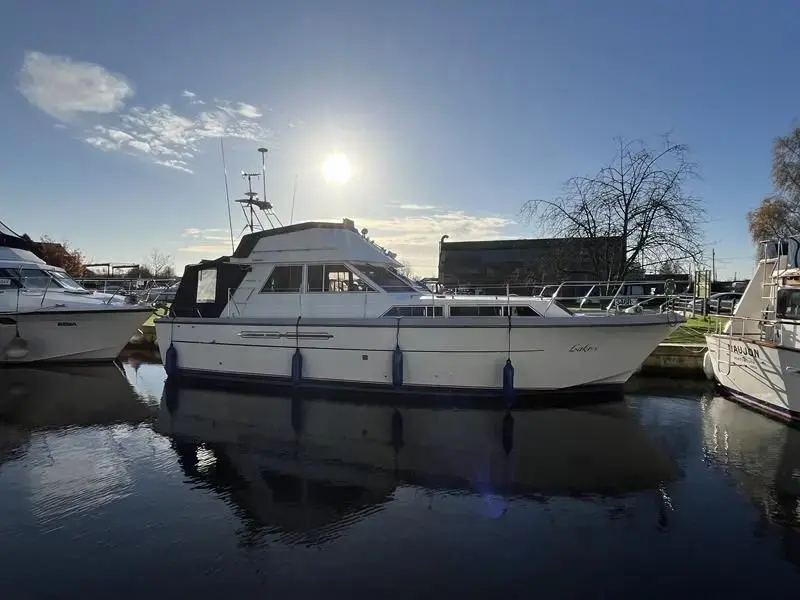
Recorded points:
(583,348)
(67,324)
(745,351)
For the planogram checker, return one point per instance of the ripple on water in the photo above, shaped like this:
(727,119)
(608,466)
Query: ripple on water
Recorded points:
(231,493)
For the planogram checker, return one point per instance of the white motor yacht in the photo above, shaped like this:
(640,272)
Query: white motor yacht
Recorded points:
(319,304)
(45,316)
(756,357)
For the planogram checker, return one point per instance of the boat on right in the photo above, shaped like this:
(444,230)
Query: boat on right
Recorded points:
(755,358)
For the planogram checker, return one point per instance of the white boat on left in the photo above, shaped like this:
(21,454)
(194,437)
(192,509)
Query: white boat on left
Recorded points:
(45,316)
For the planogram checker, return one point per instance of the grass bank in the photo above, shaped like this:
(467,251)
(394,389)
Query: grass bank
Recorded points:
(694,330)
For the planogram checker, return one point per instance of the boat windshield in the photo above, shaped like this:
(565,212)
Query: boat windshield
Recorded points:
(37,279)
(67,282)
(386,279)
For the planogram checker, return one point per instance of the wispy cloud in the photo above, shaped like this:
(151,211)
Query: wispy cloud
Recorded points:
(417,207)
(248,110)
(211,241)
(63,87)
(296,123)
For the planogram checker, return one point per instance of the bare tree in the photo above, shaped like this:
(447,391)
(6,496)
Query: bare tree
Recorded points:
(635,211)
(778,215)
(405,270)
(160,265)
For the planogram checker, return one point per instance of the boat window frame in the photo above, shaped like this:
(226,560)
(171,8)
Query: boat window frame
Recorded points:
(409,286)
(437,311)
(8,273)
(503,309)
(263,289)
(780,304)
(62,277)
(20,278)
(365,281)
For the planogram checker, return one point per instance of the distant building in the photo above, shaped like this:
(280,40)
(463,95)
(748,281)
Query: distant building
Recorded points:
(524,264)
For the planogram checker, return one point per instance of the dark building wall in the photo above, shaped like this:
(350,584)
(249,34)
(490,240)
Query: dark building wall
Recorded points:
(523,263)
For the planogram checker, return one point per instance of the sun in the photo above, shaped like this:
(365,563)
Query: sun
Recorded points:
(336,168)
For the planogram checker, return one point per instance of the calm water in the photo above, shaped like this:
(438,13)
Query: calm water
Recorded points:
(107,490)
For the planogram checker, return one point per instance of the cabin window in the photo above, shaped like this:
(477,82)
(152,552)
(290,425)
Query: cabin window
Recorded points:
(788,304)
(335,278)
(35,279)
(523,311)
(499,310)
(414,311)
(385,278)
(464,311)
(207,286)
(284,278)
(66,282)
(8,280)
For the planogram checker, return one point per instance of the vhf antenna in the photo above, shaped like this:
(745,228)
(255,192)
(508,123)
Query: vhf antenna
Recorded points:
(263,152)
(251,201)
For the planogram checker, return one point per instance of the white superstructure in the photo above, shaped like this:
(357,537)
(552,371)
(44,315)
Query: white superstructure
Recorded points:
(320,304)
(46,316)
(756,358)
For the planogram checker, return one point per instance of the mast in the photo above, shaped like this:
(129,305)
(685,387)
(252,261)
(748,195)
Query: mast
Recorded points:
(251,205)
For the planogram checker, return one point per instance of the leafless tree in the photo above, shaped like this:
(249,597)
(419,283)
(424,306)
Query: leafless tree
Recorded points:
(160,265)
(405,270)
(641,197)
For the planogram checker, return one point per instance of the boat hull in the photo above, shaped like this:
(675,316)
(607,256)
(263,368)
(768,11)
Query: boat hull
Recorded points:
(448,358)
(72,335)
(760,375)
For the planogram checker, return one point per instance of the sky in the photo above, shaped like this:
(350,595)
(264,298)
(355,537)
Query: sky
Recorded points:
(452,113)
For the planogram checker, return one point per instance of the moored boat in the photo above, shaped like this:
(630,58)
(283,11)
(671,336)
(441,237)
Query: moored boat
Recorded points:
(45,316)
(319,304)
(756,357)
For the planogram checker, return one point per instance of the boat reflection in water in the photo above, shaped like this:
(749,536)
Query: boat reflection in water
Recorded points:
(306,467)
(36,398)
(763,456)
(67,414)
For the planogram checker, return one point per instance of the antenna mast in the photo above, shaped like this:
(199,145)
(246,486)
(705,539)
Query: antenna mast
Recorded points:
(227,194)
(250,202)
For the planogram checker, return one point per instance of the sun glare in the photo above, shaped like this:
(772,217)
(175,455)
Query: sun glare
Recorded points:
(336,169)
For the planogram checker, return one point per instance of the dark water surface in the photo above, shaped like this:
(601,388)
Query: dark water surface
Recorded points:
(106,491)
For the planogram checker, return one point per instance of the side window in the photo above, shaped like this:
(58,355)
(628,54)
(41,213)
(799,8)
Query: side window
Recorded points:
(8,280)
(206,285)
(414,311)
(789,304)
(464,311)
(523,311)
(35,279)
(335,278)
(492,311)
(284,278)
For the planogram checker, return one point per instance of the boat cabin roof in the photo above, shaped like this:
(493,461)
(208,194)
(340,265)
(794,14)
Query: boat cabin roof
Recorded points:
(312,242)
